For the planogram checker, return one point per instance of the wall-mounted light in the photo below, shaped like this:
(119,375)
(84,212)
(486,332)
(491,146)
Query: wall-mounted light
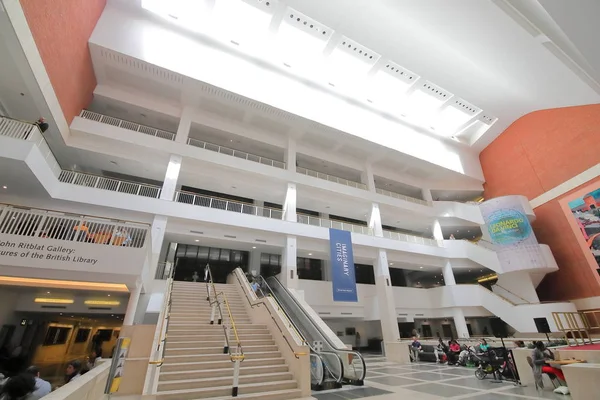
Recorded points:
(102,302)
(53,301)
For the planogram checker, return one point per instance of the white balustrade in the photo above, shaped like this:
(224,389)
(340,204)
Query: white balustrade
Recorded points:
(411,238)
(402,197)
(114,185)
(235,153)
(330,223)
(227,205)
(70,227)
(132,126)
(330,178)
(16,129)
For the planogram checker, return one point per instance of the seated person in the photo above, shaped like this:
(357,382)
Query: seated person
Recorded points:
(483,346)
(440,350)
(454,352)
(415,348)
(540,356)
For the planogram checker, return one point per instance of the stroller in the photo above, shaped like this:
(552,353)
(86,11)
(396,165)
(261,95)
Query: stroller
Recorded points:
(498,362)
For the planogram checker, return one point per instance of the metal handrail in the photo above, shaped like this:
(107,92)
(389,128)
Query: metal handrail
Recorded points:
(227,205)
(132,126)
(332,223)
(514,294)
(402,197)
(330,178)
(235,153)
(240,353)
(111,184)
(411,238)
(164,324)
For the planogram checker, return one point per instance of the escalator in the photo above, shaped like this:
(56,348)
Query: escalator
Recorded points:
(341,365)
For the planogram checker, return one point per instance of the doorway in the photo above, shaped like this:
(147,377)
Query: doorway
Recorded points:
(447,330)
(191,260)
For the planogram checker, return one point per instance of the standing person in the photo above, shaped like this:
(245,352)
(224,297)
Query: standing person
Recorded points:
(452,237)
(42,124)
(42,387)
(441,349)
(73,371)
(19,387)
(415,347)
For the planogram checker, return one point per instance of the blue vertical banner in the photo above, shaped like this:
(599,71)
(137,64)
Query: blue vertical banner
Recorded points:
(342,266)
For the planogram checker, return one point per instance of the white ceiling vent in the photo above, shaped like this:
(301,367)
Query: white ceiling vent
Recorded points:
(349,46)
(435,91)
(487,119)
(398,72)
(264,5)
(306,24)
(466,107)
(140,67)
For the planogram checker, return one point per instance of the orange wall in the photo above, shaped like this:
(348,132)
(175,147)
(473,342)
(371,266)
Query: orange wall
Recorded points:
(61,29)
(541,150)
(536,153)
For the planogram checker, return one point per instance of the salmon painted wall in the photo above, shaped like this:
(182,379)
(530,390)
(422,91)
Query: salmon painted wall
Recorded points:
(61,29)
(541,150)
(536,153)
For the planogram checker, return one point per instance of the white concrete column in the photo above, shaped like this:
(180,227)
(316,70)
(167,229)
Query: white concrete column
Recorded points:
(385,299)
(254,262)
(426,194)
(437,230)
(157,231)
(375,220)
(367,177)
(290,154)
(185,123)
(171,176)
(448,274)
(460,323)
(289,206)
(134,298)
(289,275)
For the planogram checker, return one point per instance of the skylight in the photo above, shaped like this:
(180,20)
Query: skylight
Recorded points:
(348,66)
(424,103)
(387,88)
(241,23)
(454,117)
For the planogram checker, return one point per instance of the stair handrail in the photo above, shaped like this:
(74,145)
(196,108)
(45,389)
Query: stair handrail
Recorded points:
(514,294)
(239,353)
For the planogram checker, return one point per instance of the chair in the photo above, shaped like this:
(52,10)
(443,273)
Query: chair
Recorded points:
(552,377)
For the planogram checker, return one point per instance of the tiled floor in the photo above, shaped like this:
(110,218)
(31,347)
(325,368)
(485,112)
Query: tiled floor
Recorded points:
(427,381)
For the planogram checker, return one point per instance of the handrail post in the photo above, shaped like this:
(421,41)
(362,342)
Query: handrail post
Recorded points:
(236,377)
(226,345)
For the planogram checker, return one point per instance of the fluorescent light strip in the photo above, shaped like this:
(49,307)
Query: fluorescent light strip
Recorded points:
(35,282)
(53,301)
(102,302)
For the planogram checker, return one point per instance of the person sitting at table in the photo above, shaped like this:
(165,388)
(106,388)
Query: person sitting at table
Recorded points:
(540,356)
(454,352)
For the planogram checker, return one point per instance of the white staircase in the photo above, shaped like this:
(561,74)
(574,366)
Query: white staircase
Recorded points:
(195,365)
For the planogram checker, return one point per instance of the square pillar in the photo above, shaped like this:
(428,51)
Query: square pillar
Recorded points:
(375,220)
(437,230)
(185,123)
(448,274)
(134,299)
(289,206)
(290,154)
(460,323)
(367,177)
(171,176)
(426,194)
(385,299)
(254,267)
(289,274)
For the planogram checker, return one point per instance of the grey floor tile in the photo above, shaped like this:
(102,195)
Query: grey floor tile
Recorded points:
(373,374)
(395,381)
(474,383)
(547,393)
(457,371)
(357,393)
(388,370)
(441,390)
(429,376)
(494,396)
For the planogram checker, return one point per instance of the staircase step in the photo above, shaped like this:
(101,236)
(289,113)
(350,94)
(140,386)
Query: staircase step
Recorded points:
(225,391)
(217,350)
(219,357)
(195,366)
(189,383)
(274,395)
(219,372)
(186,336)
(196,344)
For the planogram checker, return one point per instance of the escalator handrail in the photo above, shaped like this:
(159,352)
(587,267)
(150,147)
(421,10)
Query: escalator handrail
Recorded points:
(283,313)
(318,328)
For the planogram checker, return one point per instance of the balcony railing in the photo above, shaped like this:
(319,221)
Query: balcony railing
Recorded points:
(227,205)
(411,239)
(132,126)
(235,153)
(330,223)
(330,178)
(28,131)
(70,227)
(402,197)
(114,185)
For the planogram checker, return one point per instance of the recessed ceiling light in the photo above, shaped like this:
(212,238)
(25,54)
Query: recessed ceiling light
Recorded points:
(253,247)
(108,295)
(391,263)
(420,267)
(310,254)
(197,240)
(4,187)
(113,162)
(48,292)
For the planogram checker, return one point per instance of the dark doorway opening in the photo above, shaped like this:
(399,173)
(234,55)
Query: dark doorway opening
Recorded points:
(191,260)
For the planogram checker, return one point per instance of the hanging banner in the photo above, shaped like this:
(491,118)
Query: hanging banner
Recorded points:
(115,375)
(342,266)
(510,233)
